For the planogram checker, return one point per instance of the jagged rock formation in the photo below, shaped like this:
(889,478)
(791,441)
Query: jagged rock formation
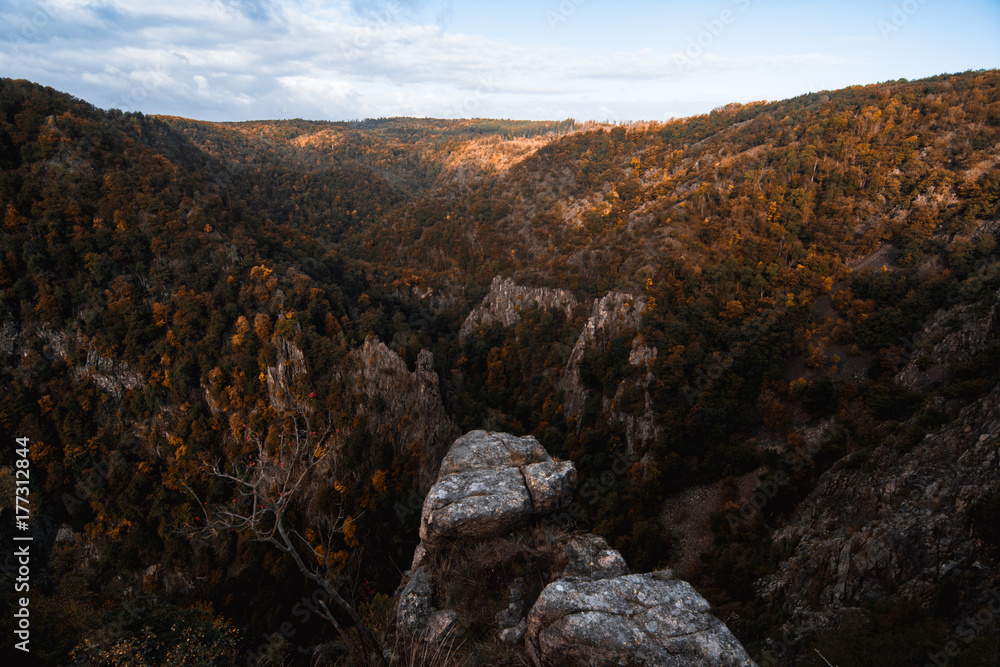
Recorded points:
(289,366)
(506,299)
(609,315)
(587,610)
(112,375)
(639,427)
(402,408)
(893,526)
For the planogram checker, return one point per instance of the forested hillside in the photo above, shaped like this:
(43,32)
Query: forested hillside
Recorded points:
(736,325)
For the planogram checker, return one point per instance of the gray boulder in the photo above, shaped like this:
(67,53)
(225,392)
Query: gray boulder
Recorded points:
(477,450)
(414,609)
(638,619)
(491,481)
(550,484)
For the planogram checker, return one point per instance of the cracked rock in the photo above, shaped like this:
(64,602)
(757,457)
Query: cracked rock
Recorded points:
(489,482)
(637,619)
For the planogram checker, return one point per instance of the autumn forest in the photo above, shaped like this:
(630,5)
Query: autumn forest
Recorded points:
(715,318)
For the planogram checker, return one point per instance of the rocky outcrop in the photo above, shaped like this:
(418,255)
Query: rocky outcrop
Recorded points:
(589,557)
(638,619)
(635,412)
(609,315)
(587,609)
(289,366)
(401,408)
(491,481)
(506,300)
(112,375)
(950,336)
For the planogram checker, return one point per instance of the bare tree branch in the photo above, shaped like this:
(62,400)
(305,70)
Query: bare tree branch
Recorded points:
(268,490)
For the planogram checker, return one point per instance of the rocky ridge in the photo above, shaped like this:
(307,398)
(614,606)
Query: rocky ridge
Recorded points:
(111,374)
(609,315)
(950,336)
(639,427)
(290,365)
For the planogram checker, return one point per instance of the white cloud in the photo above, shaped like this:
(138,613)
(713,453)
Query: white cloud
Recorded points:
(202,84)
(351,58)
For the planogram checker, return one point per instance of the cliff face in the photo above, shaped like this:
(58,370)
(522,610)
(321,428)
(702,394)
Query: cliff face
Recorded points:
(897,526)
(609,315)
(400,407)
(506,299)
(38,343)
(950,336)
(639,424)
(291,364)
(483,530)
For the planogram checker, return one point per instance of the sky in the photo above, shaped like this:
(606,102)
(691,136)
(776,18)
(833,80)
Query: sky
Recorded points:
(225,60)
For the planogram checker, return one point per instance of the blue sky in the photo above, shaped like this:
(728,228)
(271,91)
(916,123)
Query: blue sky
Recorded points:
(548,59)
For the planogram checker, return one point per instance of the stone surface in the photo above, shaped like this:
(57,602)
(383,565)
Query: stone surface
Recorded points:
(593,613)
(638,619)
(550,484)
(477,503)
(401,408)
(589,557)
(491,481)
(414,609)
(511,621)
(514,635)
(479,450)
(290,364)
(891,528)
(441,625)
(609,315)
(506,299)
(950,336)
(638,428)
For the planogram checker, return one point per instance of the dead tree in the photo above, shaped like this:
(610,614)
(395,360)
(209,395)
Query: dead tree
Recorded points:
(269,503)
